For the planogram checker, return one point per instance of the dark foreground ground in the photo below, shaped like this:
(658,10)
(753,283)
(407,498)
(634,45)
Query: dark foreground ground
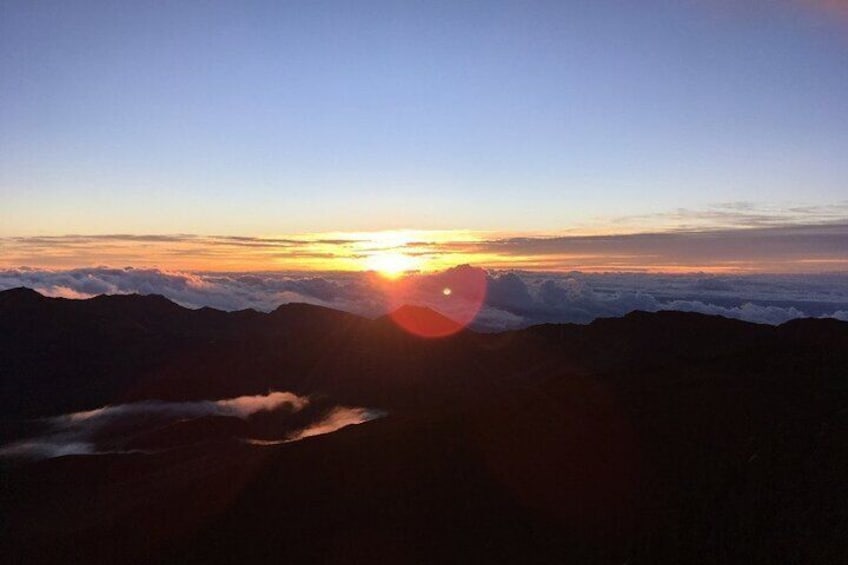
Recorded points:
(653,438)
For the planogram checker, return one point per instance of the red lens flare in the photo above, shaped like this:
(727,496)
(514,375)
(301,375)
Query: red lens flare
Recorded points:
(437,305)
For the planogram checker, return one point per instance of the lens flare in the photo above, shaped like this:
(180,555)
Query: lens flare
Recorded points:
(437,305)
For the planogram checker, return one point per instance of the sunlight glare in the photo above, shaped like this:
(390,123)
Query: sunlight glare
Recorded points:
(392,264)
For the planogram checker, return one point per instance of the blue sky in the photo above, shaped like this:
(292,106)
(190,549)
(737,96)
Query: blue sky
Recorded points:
(267,118)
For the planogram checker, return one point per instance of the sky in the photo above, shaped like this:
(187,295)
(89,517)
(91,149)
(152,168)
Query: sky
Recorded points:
(344,136)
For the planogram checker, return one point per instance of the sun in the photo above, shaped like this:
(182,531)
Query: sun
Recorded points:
(392,264)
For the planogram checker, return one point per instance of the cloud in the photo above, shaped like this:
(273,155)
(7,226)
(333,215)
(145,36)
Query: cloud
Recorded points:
(245,406)
(109,428)
(336,419)
(796,248)
(732,236)
(233,291)
(185,250)
(749,312)
(741,214)
(241,407)
(508,291)
(47,448)
(512,299)
(756,298)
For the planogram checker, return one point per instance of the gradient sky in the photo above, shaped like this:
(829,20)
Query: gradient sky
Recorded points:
(270,118)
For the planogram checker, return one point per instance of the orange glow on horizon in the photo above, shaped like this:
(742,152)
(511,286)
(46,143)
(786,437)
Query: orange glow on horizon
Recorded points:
(398,252)
(392,264)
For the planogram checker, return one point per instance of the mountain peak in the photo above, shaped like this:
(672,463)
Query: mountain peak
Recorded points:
(20,295)
(423,321)
(411,309)
(299,307)
(135,299)
(303,315)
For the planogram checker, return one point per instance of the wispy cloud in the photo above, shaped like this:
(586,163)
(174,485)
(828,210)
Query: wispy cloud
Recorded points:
(336,419)
(109,428)
(784,248)
(738,214)
(183,250)
(731,236)
(241,407)
(796,248)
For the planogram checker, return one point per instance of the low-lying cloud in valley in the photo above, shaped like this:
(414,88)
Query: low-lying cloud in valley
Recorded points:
(117,428)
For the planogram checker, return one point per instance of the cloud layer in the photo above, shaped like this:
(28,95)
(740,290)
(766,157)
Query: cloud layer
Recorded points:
(733,237)
(512,299)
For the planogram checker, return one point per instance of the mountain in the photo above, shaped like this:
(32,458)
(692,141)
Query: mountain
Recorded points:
(654,438)
(422,321)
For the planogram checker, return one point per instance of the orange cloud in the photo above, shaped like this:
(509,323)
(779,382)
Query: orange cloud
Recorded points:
(746,240)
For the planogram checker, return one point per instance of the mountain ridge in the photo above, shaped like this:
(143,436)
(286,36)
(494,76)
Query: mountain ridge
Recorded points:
(662,437)
(171,352)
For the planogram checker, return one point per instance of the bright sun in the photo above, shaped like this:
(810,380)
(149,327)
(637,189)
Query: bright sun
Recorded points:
(392,264)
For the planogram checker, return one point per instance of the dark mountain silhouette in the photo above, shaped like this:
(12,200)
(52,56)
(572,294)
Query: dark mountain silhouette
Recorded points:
(654,438)
(422,321)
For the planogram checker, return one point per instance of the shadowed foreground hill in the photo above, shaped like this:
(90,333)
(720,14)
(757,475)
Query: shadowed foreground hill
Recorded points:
(653,438)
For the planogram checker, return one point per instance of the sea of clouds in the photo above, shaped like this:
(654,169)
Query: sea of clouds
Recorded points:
(513,299)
